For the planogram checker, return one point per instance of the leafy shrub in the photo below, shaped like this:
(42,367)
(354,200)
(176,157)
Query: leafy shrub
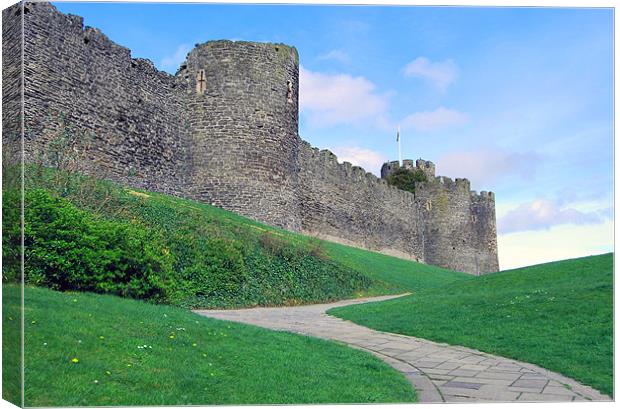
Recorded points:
(71,249)
(11,236)
(405,179)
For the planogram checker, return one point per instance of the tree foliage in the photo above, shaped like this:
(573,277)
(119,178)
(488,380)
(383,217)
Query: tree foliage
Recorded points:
(405,179)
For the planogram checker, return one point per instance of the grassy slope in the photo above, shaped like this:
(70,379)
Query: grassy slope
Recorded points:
(193,359)
(11,344)
(557,315)
(391,275)
(251,259)
(398,274)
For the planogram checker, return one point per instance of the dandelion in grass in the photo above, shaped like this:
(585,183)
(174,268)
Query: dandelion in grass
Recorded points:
(75,360)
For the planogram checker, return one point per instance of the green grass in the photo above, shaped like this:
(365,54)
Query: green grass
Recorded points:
(11,344)
(558,315)
(189,359)
(398,275)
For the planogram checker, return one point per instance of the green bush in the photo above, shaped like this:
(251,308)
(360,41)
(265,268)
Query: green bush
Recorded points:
(11,236)
(405,179)
(71,249)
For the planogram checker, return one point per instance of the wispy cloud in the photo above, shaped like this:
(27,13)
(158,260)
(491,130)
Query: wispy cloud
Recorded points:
(557,243)
(542,214)
(172,62)
(441,74)
(485,166)
(336,55)
(368,159)
(332,99)
(438,119)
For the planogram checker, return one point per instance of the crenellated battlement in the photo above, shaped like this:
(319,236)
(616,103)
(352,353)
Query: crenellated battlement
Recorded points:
(224,130)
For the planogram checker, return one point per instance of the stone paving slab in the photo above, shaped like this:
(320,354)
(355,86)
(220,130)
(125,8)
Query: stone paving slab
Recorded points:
(439,372)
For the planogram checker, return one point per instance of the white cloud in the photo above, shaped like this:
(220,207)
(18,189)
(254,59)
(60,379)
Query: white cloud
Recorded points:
(440,74)
(487,165)
(542,214)
(438,119)
(558,243)
(337,55)
(328,100)
(172,62)
(368,159)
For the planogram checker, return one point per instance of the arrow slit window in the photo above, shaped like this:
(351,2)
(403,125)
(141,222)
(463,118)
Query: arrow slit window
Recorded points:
(201,82)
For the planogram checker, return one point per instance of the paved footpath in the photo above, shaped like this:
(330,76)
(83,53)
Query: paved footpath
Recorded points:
(439,372)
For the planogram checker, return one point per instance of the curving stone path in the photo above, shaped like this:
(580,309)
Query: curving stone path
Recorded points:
(439,372)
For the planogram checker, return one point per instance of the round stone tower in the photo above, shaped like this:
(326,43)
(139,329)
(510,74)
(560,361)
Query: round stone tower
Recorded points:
(243,115)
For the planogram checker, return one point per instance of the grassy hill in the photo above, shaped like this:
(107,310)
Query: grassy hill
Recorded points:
(557,315)
(86,349)
(91,235)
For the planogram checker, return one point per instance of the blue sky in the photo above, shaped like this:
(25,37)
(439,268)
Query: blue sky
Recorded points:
(518,100)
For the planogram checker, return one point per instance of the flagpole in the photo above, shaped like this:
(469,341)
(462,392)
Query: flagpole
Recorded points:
(400,158)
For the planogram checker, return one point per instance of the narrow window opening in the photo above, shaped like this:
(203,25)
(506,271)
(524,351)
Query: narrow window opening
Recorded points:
(201,82)
(289,93)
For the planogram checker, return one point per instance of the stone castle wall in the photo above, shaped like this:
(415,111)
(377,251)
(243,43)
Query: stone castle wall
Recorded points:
(11,84)
(133,114)
(344,201)
(458,225)
(223,130)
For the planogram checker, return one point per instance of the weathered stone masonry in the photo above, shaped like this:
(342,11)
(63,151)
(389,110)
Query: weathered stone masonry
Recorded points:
(224,130)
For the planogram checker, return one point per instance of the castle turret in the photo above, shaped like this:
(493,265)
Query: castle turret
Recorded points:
(243,107)
(388,168)
(427,167)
